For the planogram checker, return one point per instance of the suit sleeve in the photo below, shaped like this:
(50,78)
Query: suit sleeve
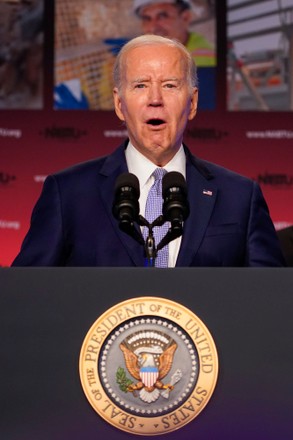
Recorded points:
(263,246)
(43,244)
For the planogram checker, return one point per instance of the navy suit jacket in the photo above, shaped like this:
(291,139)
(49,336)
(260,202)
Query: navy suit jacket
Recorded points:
(72,223)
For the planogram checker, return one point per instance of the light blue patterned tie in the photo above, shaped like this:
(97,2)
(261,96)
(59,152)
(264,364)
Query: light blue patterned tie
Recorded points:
(153,210)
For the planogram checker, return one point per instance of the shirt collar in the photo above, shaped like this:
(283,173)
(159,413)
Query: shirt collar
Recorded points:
(143,168)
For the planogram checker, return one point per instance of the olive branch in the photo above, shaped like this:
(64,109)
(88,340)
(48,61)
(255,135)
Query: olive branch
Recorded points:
(122,380)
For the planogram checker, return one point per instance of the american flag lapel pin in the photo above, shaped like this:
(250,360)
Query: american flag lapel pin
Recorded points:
(207,192)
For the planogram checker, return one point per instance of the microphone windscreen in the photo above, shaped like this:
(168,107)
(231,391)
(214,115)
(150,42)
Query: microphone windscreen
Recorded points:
(173,179)
(127,179)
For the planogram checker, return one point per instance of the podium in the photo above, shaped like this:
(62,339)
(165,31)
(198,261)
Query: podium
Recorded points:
(47,312)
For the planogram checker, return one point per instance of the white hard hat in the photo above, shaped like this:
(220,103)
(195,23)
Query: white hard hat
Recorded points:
(137,4)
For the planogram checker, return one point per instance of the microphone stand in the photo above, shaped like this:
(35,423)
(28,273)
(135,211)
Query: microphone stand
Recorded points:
(151,250)
(150,246)
(175,231)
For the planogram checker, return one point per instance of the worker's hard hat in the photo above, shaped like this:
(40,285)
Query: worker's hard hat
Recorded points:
(137,4)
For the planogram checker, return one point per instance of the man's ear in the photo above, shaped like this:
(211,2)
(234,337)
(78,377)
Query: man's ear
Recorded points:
(193,104)
(118,104)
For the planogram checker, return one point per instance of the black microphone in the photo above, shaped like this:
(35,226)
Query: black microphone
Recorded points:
(175,206)
(126,206)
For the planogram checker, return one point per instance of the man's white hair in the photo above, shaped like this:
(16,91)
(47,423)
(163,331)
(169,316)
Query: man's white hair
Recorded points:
(152,40)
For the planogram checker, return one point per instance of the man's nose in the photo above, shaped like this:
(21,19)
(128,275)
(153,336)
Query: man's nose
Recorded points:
(155,95)
(153,25)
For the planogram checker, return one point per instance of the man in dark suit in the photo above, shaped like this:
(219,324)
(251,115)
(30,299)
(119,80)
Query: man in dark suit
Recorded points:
(155,95)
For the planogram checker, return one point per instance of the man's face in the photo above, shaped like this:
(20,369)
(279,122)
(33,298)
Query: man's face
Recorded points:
(165,20)
(155,100)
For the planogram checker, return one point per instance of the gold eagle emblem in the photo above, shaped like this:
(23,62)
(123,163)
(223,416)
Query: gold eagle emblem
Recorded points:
(149,358)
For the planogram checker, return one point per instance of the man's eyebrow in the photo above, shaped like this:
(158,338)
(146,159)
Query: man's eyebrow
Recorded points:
(139,80)
(145,79)
(172,79)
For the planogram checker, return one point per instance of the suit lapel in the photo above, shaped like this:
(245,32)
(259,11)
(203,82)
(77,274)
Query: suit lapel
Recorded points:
(115,164)
(202,194)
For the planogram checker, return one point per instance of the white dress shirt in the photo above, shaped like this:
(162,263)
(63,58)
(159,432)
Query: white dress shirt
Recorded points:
(143,168)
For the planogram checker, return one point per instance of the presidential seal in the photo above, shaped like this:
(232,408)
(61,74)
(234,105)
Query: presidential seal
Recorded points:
(148,366)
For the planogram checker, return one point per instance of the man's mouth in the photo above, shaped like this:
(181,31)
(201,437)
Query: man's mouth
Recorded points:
(154,122)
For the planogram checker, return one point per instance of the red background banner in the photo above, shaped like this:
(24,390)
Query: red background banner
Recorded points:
(36,142)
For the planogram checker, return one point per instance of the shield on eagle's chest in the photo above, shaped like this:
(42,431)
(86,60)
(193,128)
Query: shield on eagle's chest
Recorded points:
(149,375)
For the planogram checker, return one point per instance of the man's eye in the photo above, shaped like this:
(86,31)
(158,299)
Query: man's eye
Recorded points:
(139,86)
(163,16)
(170,86)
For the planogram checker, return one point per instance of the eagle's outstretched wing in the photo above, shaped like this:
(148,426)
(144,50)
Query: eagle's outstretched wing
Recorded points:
(131,362)
(166,360)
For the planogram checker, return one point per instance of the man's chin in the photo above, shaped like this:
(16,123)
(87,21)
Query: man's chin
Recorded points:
(160,153)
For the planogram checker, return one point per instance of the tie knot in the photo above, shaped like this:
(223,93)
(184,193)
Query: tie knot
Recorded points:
(159,173)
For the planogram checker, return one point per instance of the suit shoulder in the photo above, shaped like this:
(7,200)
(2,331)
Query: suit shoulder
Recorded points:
(81,169)
(222,173)
(104,165)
